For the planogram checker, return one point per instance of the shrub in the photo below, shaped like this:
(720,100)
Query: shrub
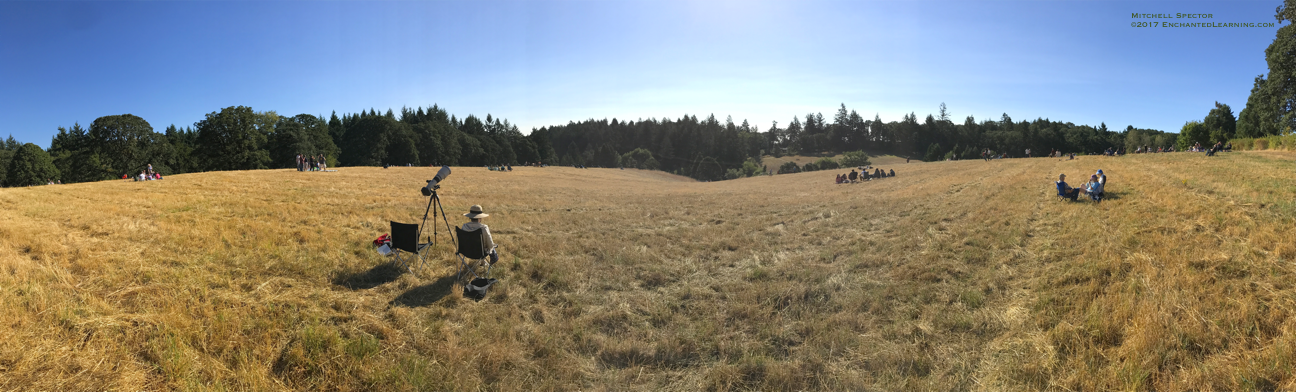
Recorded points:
(934,153)
(1262,144)
(639,159)
(826,163)
(855,159)
(789,167)
(752,167)
(1242,144)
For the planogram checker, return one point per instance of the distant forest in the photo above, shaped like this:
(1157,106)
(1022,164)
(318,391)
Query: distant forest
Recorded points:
(239,138)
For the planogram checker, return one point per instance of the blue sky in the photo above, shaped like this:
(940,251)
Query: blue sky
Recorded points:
(539,63)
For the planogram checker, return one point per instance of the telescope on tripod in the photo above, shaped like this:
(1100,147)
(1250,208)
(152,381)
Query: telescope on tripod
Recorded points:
(434,202)
(405,237)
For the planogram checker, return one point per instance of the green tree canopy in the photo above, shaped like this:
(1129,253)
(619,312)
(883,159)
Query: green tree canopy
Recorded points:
(300,134)
(1220,123)
(234,139)
(1193,132)
(31,166)
(1269,109)
(123,143)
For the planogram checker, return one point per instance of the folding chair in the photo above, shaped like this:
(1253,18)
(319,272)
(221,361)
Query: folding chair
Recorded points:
(472,253)
(404,238)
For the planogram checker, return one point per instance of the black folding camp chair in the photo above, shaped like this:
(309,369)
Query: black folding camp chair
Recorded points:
(404,237)
(472,253)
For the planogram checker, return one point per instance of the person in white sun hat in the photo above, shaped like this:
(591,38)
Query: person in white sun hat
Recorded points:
(475,214)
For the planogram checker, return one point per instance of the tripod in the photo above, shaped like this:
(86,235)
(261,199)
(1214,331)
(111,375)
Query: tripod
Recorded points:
(434,202)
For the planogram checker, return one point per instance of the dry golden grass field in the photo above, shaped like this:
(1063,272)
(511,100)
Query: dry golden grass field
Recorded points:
(964,275)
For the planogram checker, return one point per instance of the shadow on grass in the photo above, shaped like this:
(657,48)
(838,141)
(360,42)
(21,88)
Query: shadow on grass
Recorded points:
(426,294)
(374,277)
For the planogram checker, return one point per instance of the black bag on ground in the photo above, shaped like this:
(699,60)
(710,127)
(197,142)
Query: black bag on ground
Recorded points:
(476,289)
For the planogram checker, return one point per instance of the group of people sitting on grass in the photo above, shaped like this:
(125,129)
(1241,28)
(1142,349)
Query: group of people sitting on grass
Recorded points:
(500,168)
(865,174)
(1148,149)
(1219,146)
(145,175)
(1094,188)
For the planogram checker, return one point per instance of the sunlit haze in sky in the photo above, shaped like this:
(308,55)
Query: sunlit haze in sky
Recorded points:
(540,63)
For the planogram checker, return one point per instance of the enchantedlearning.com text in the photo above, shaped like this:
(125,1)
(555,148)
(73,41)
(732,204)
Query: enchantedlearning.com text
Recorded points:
(1192,20)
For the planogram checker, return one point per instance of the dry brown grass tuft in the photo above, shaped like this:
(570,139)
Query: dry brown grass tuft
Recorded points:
(952,276)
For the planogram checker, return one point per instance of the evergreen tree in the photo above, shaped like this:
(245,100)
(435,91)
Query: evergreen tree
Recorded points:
(31,166)
(7,150)
(1220,123)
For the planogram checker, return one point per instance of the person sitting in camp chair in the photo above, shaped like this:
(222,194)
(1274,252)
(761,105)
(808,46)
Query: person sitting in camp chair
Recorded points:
(1066,191)
(1094,188)
(475,214)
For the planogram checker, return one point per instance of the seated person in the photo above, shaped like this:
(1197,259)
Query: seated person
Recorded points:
(1094,188)
(1065,190)
(892,174)
(853,176)
(475,214)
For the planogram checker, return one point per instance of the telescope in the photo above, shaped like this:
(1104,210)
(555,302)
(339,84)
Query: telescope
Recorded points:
(434,183)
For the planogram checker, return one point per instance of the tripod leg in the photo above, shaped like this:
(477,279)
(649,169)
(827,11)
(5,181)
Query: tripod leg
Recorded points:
(447,223)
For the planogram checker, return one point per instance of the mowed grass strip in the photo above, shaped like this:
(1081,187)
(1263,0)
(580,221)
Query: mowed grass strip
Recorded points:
(951,276)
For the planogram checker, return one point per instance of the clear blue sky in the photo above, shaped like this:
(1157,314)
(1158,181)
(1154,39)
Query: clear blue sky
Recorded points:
(539,63)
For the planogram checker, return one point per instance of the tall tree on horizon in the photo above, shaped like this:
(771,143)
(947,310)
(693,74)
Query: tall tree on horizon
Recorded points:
(1271,107)
(233,139)
(31,165)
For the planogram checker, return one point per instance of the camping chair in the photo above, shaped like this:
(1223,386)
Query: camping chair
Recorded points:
(404,238)
(472,253)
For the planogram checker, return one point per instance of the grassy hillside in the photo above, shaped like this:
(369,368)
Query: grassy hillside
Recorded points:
(965,275)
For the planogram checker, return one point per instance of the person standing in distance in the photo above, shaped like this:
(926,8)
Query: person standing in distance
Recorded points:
(476,215)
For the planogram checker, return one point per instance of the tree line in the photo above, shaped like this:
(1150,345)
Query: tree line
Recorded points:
(1271,107)
(708,149)
(240,138)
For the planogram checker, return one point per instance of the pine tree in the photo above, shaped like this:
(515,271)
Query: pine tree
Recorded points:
(31,166)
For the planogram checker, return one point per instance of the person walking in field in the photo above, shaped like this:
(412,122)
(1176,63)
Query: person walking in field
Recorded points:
(475,214)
